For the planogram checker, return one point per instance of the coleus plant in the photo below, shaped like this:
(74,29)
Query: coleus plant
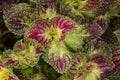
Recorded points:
(66,37)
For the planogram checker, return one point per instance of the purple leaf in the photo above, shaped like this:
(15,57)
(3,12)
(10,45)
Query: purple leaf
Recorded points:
(37,32)
(17,19)
(102,22)
(62,23)
(116,60)
(94,30)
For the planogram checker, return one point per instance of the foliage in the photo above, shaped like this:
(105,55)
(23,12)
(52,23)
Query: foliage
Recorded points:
(60,40)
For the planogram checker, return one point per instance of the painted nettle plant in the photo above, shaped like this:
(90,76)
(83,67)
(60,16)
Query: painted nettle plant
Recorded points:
(60,40)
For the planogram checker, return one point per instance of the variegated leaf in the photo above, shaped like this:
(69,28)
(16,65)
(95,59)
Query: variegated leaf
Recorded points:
(101,53)
(84,70)
(59,57)
(17,18)
(116,60)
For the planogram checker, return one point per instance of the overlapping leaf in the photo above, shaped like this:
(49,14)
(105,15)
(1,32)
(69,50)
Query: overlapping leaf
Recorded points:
(24,55)
(59,57)
(101,53)
(17,18)
(6,74)
(116,60)
(84,70)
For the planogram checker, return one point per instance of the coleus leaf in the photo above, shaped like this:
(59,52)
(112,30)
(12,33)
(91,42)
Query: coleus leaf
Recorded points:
(102,21)
(10,59)
(6,74)
(103,8)
(37,32)
(25,54)
(10,9)
(101,53)
(98,27)
(17,18)
(74,39)
(94,30)
(107,6)
(28,52)
(18,23)
(116,59)
(84,70)
(59,57)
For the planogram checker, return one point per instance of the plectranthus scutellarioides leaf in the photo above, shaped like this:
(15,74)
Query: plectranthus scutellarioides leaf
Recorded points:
(101,53)
(59,57)
(24,54)
(97,27)
(75,39)
(6,74)
(37,32)
(107,6)
(82,69)
(17,17)
(116,60)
